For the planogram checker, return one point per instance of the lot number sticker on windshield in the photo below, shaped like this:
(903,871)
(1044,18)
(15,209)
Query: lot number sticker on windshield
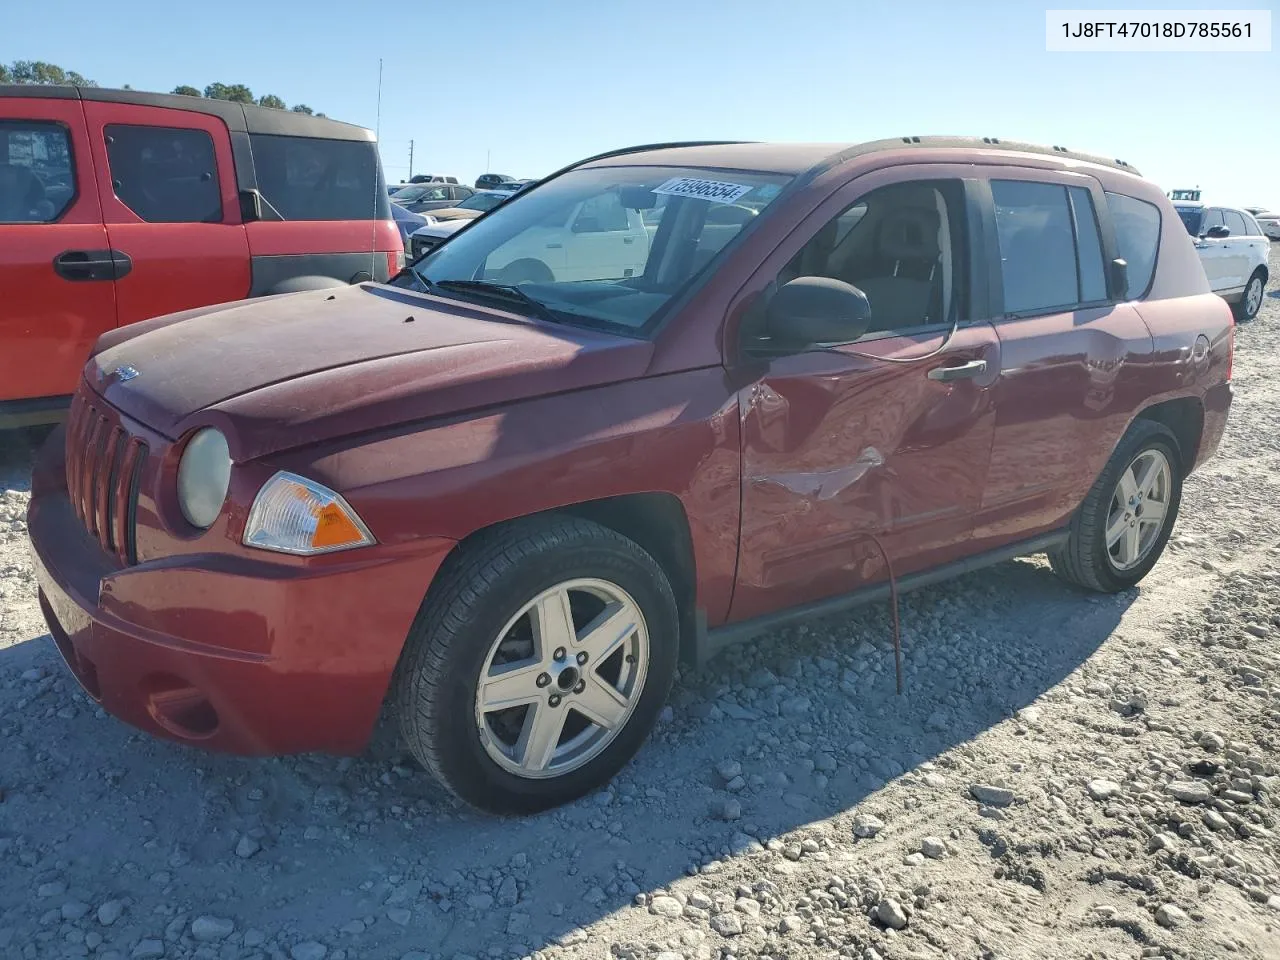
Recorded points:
(717,191)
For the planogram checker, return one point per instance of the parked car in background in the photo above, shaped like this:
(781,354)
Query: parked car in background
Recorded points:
(117,206)
(1234,251)
(431,235)
(1269,223)
(406,221)
(422,197)
(527,503)
(431,178)
(515,186)
(479,202)
(490,181)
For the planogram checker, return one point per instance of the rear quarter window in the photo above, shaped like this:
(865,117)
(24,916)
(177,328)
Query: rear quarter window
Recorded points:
(1137,226)
(309,178)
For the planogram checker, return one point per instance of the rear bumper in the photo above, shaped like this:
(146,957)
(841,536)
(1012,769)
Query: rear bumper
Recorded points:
(1217,404)
(235,654)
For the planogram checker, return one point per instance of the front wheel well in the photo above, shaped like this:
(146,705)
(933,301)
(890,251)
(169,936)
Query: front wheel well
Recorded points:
(1184,416)
(658,524)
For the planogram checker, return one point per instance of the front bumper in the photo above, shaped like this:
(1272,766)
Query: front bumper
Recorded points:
(234,653)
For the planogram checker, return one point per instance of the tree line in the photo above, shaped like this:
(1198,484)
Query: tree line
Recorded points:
(39,72)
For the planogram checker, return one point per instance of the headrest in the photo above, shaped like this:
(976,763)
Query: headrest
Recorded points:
(910,233)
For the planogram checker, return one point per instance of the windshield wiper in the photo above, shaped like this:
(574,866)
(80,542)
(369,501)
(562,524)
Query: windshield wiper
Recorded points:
(500,291)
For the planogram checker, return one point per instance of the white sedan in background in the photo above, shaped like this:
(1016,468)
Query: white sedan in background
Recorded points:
(600,238)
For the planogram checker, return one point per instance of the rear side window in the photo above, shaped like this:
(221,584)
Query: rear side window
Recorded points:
(307,178)
(1137,226)
(1251,227)
(164,174)
(37,182)
(1235,223)
(1093,281)
(1037,246)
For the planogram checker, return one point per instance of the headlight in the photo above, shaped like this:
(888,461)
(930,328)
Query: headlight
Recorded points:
(292,514)
(204,472)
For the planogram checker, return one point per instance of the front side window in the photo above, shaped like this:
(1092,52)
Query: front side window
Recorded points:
(579,249)
(311,178)
(902,246)
(1137,226)
(37,181)
(1212,218)
(1038,259)
(165,174)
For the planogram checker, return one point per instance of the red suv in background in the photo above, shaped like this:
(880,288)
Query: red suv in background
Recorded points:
(117,205)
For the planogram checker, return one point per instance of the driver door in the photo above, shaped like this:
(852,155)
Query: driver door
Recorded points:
(1213,252)
(842,448)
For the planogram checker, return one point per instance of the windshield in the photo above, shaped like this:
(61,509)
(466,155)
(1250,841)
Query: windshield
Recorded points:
(605,247)
(480,201)
(1191,217)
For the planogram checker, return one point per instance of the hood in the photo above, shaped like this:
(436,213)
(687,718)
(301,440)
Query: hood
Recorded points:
(302,368)
(455,213)
(435,230)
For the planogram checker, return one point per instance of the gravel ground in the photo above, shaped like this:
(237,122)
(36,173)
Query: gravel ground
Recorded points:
(1067,776)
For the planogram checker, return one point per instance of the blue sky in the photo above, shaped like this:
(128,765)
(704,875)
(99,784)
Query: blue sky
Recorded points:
(541,84)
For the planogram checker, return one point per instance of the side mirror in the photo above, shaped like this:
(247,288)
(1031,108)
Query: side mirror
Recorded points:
(250,206)
(1120,277)
(1218,232)
(812,311)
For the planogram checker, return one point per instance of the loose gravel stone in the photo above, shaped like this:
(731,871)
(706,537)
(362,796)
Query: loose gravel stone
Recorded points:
(867,826)
(211,929)
(933,848)
(890,913)
(991,796)
(110,912)
(1103,789)
(727,924)
(309,950)
(666,907)
(1167,915)
(1189,791)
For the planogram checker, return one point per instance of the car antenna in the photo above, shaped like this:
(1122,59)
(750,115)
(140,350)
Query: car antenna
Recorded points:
(377,152)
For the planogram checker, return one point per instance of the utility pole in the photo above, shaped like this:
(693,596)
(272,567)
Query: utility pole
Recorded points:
(410,159)
(487,167)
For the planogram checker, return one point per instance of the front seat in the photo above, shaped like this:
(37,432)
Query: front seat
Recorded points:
(21,196)
(905,289)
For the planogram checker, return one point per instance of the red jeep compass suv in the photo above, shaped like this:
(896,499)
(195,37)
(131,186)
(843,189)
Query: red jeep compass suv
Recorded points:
(116,206)
(509,490)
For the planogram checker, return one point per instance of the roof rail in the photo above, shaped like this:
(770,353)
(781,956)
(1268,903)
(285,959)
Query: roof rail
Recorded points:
(988,143)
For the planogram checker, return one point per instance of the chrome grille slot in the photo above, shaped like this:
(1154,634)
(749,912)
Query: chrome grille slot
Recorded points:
(104,470)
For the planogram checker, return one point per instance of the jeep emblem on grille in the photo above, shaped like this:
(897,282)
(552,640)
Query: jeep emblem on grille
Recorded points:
(126,373)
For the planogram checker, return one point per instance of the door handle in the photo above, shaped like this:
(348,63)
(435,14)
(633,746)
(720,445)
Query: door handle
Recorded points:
(79,265)
(962,372)
(554,246)
(628,239)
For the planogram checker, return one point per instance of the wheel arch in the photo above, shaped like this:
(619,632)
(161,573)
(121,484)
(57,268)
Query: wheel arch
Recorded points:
(656,522)
(1184,417)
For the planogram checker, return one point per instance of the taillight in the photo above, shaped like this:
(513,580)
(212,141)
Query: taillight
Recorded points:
(1231,348)
(395,261)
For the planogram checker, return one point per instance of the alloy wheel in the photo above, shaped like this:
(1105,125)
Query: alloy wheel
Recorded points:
(1253,296)
(1138,509)
(562,678)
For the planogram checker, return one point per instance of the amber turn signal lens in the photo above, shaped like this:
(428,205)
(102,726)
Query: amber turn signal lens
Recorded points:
(292,514)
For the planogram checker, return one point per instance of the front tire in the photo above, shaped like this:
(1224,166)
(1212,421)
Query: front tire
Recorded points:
(1251,300)
(538,664)
(1121,528)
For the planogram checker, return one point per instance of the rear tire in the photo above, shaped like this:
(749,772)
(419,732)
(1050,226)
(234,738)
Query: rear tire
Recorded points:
(492,616)
(1113,543)
(1246,308)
